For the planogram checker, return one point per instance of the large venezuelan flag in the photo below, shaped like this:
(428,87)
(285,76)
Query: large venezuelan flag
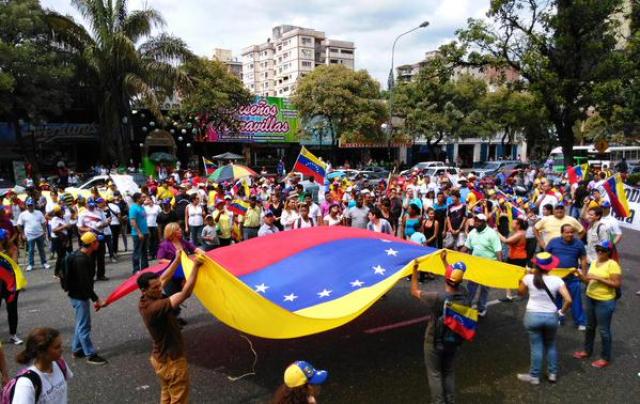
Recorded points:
(309,164)
(302,282)
(617,196)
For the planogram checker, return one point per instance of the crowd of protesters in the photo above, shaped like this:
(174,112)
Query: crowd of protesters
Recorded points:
(530,218)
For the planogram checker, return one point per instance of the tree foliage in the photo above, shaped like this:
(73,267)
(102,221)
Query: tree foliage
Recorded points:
(123,62)
(565,50)
(349,101)
(33,73)
(212,93)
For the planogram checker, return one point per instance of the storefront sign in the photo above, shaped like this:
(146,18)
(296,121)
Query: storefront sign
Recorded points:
(266,120)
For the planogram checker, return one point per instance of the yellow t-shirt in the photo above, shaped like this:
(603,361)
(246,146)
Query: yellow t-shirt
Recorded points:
(598,290)
(163,193)
(550,226)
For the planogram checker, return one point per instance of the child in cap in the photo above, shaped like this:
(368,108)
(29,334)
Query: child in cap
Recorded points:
(301,384)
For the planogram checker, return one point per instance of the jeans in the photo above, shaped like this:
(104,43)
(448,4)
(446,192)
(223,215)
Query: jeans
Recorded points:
(98,258)
(599,313)
(115,234)
(37,242)
(139,256)
(194,234)
(542,328)
(82,333)
(440,373)
(12,308)
(153,241)
(575,290)
(472,287)
(249,233)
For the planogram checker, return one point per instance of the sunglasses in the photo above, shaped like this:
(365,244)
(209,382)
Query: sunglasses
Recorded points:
(601,250)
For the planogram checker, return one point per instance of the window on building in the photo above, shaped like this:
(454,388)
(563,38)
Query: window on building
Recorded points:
(334,61)
(266,75)
(286,89)
(306,63)
(306,53)
(333,50)
(346,51)
(251,66)
(286,43)
(306,41)
(279,48)
(285,55)
(279,59)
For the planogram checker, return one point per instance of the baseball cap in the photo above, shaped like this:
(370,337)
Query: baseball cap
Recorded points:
(56,209)
(30,201)
(269,214)
(88,238)
(454,273)
(605,204)
(300,373)
(604,244)
(228,197)
(3,234)
(481,216)
(545,261)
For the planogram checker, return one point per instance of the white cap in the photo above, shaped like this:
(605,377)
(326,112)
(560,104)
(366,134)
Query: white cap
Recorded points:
(481,216)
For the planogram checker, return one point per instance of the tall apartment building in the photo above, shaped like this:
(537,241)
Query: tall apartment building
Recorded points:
(272,68)
(226,56)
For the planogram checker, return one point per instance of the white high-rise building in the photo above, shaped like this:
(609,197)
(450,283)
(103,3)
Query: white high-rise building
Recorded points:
(272,68)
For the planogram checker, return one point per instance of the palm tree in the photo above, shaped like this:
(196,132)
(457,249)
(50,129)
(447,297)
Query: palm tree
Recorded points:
(122,62)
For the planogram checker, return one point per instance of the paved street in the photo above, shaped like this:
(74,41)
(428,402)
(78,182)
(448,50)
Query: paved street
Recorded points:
(368,362)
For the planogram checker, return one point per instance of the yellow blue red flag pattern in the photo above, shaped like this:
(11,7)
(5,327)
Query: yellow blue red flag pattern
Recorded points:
(308,164)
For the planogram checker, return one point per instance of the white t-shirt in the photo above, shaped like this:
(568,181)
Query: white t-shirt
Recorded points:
(539,301)
(54,387)
(300,223)
(195,215)
(152,214)
(314,212)
(56,222)
(92,219)
(288,218)
(333,222)
(115,211)
(32,223)
(612,225)
(547,199)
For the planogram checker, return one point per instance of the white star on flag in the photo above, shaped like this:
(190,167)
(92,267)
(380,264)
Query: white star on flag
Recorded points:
(391,252)
(357,283)
(325,293)
(290,298)
(378,270)
(385,241)
(262,288)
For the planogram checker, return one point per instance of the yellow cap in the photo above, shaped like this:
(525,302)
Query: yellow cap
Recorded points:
(88,238)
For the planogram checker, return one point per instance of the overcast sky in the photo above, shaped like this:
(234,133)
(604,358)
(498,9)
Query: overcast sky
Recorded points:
(371,24)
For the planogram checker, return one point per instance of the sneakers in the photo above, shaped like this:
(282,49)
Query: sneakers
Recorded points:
(600,363)
(15,340)
(526,377)
(46,266)
(78,355)
(552,377)
(29,268)
(96,360)
(582,328)
(580,355)
(482,313)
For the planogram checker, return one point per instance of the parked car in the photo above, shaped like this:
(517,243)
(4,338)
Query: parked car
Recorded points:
(494,167)
(421,166)
(125,183)
(453,172)
(371,178)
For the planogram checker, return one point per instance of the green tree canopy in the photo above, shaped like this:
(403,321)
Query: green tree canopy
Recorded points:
(212,92)
(565,50)
(122,61)
(349,101)
(33,73)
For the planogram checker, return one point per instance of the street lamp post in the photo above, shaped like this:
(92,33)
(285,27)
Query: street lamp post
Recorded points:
(391,82)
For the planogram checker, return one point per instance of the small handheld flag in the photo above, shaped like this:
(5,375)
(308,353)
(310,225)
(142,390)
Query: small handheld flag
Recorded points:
(617,196)
(310,165)
(239,207)
(209,166)
(461,319)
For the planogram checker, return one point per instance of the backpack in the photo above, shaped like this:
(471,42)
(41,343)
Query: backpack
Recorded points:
(64,270)
(9,390)
(299,223)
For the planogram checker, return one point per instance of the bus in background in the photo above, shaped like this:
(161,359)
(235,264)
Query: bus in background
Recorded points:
(580,156)
(588,154)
